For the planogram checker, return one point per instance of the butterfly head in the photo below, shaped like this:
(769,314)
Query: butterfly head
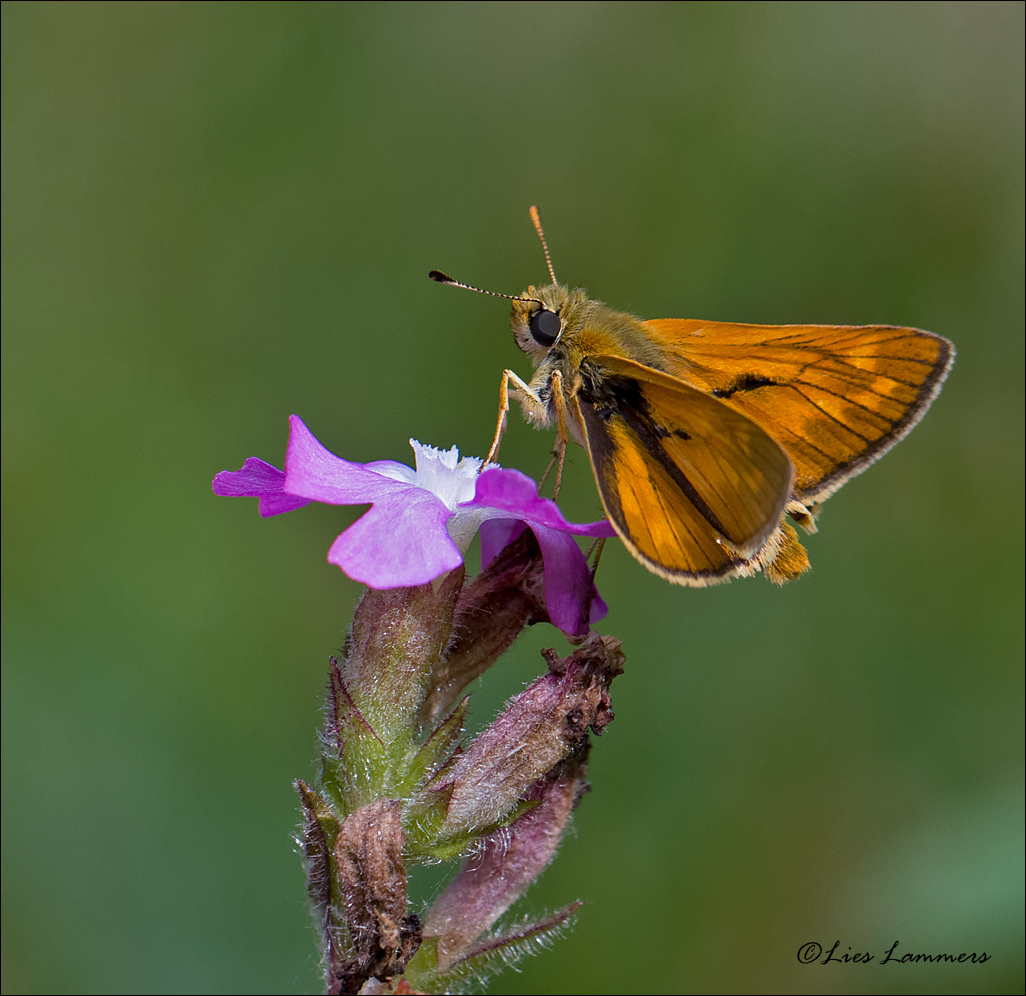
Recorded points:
(544,317)
(539,318)
(546,320)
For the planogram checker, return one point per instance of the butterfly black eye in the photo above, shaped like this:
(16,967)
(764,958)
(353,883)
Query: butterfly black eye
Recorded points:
(545,327)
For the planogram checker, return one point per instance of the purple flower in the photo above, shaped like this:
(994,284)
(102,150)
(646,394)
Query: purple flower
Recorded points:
(421,521)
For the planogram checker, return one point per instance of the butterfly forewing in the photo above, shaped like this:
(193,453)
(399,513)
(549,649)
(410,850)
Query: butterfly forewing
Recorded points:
(693,487)
(835,397)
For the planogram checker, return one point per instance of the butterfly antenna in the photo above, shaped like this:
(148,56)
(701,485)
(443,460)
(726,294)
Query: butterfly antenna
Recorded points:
(443,278)
(536,218)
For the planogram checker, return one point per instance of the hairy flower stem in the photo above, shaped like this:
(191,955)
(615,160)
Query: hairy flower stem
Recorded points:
(398,786)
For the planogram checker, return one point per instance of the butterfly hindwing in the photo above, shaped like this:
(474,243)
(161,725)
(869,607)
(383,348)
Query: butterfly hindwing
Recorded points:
(835,397)
(694,488)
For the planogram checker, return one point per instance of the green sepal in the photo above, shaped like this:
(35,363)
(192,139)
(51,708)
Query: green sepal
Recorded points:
(320,831)
(422,969)
(317,809)
(436,751)
(488,956)
(355,761)
(422,821)
(423,838)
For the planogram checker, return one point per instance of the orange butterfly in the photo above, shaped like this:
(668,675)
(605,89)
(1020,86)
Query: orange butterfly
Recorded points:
(706,437)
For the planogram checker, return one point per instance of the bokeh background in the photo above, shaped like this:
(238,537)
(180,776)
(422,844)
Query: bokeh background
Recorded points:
(217,214)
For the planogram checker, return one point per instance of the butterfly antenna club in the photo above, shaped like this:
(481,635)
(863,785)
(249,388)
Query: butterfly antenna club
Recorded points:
(443,278)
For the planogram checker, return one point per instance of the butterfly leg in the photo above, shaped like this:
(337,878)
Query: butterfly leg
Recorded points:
(527,397)
(546,472)
(562,417)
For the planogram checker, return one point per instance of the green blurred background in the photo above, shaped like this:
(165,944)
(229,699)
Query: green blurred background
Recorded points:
(217,214)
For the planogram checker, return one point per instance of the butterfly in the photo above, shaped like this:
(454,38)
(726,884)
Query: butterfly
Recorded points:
(710,441)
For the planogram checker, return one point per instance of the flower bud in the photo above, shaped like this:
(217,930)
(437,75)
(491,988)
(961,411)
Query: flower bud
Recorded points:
(538,729)
(510,860)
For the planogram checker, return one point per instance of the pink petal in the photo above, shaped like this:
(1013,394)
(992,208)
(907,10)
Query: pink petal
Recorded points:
(258,479)
(570,595)
(496,535)
(402,541)
(568,584)
(514,492)
(315,473)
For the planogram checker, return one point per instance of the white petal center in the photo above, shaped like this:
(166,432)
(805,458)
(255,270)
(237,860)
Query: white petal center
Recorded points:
(445,475)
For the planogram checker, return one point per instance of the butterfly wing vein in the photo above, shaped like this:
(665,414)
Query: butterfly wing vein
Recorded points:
(836,398)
